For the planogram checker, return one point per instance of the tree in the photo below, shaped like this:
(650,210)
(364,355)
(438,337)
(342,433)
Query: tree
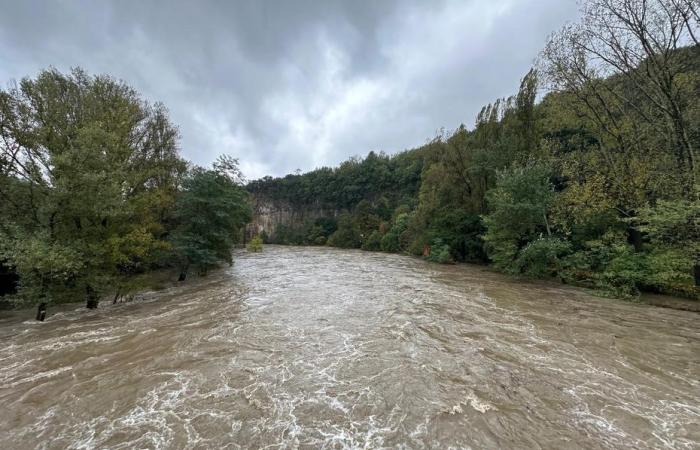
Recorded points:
(625,62)
(518,213)
(391,242)
(210,212)
(347,235)
(88,173)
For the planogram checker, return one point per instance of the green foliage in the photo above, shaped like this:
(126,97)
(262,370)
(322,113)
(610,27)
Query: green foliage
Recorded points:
(542,257)
(462,232)
(373,242)
(594,184)
(255,244)
(518,209)
(673,223)
(290,235)
(343,188)
(210,212)
(88,179)
(672,228)
(391,242)
(314,232)
(609,264)
(670,270)
(439,252)
(347,235)
(49,271)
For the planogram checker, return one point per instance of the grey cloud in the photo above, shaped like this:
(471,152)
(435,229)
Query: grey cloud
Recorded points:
(291,84)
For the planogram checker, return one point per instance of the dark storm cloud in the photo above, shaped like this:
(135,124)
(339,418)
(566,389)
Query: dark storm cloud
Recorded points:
(291,84)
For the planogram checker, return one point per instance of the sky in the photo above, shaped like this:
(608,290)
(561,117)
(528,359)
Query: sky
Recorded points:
(295,84)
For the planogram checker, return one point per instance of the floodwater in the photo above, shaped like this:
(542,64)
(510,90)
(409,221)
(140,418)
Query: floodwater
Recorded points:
(324,348)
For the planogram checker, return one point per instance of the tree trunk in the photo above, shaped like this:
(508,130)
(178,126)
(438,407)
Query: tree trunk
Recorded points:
(41,312)
(91,297)
(696,273)
(183,273)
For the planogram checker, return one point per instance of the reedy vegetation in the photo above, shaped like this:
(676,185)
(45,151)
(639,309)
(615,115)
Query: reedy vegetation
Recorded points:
(596,184)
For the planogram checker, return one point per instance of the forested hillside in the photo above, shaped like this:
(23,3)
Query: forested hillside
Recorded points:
(588,174)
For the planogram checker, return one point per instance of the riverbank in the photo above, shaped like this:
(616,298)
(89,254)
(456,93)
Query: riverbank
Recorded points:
(150,284)
(646,298)
(138,288)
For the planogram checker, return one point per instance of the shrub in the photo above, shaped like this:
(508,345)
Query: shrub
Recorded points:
(542,257)
(255,245)
(373,242)
(462,231)
(391,242)
(347,235)
(439,252)
(609,264)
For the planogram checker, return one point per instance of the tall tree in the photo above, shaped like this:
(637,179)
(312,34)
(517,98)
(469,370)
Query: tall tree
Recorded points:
(640,44)
(87,169)
(211,212)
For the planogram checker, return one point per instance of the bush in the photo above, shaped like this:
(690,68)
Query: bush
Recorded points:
(461,231)
(670,270)
(542,257)
(255,245)
(373,242)
(624,274)
(439,252)
(289,234)
(347,235)
(315,236)
(391,242)
(609,264)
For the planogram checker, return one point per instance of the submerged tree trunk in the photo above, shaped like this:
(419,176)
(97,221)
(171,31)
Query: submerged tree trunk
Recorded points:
(41,312)
(91,297)
(183,273)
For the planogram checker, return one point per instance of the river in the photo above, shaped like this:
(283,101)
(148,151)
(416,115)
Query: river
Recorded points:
(326,348)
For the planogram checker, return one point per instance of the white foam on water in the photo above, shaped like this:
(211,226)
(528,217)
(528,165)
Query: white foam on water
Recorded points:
(37,376)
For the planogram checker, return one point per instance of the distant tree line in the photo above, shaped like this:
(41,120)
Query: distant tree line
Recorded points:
(93,192)
(595,184)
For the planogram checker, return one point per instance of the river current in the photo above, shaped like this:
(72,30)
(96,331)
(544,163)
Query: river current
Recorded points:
(325,348)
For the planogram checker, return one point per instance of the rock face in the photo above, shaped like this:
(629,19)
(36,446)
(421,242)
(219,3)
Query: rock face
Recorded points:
(269,214)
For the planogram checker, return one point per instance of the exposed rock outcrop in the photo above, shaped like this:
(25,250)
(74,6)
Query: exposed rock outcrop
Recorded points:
(269,214)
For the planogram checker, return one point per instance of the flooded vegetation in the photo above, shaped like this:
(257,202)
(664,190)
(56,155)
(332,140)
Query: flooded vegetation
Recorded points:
(326,348)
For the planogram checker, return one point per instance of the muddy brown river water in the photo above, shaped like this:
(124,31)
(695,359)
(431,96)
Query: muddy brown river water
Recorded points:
(323,348)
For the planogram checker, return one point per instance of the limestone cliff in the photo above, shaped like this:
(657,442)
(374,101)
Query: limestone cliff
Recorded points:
(268,214)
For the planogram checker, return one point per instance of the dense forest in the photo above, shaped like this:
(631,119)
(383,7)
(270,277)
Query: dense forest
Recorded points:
(93,193)
(589,174)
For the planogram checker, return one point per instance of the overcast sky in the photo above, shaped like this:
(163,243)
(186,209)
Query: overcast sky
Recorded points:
(294,84)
